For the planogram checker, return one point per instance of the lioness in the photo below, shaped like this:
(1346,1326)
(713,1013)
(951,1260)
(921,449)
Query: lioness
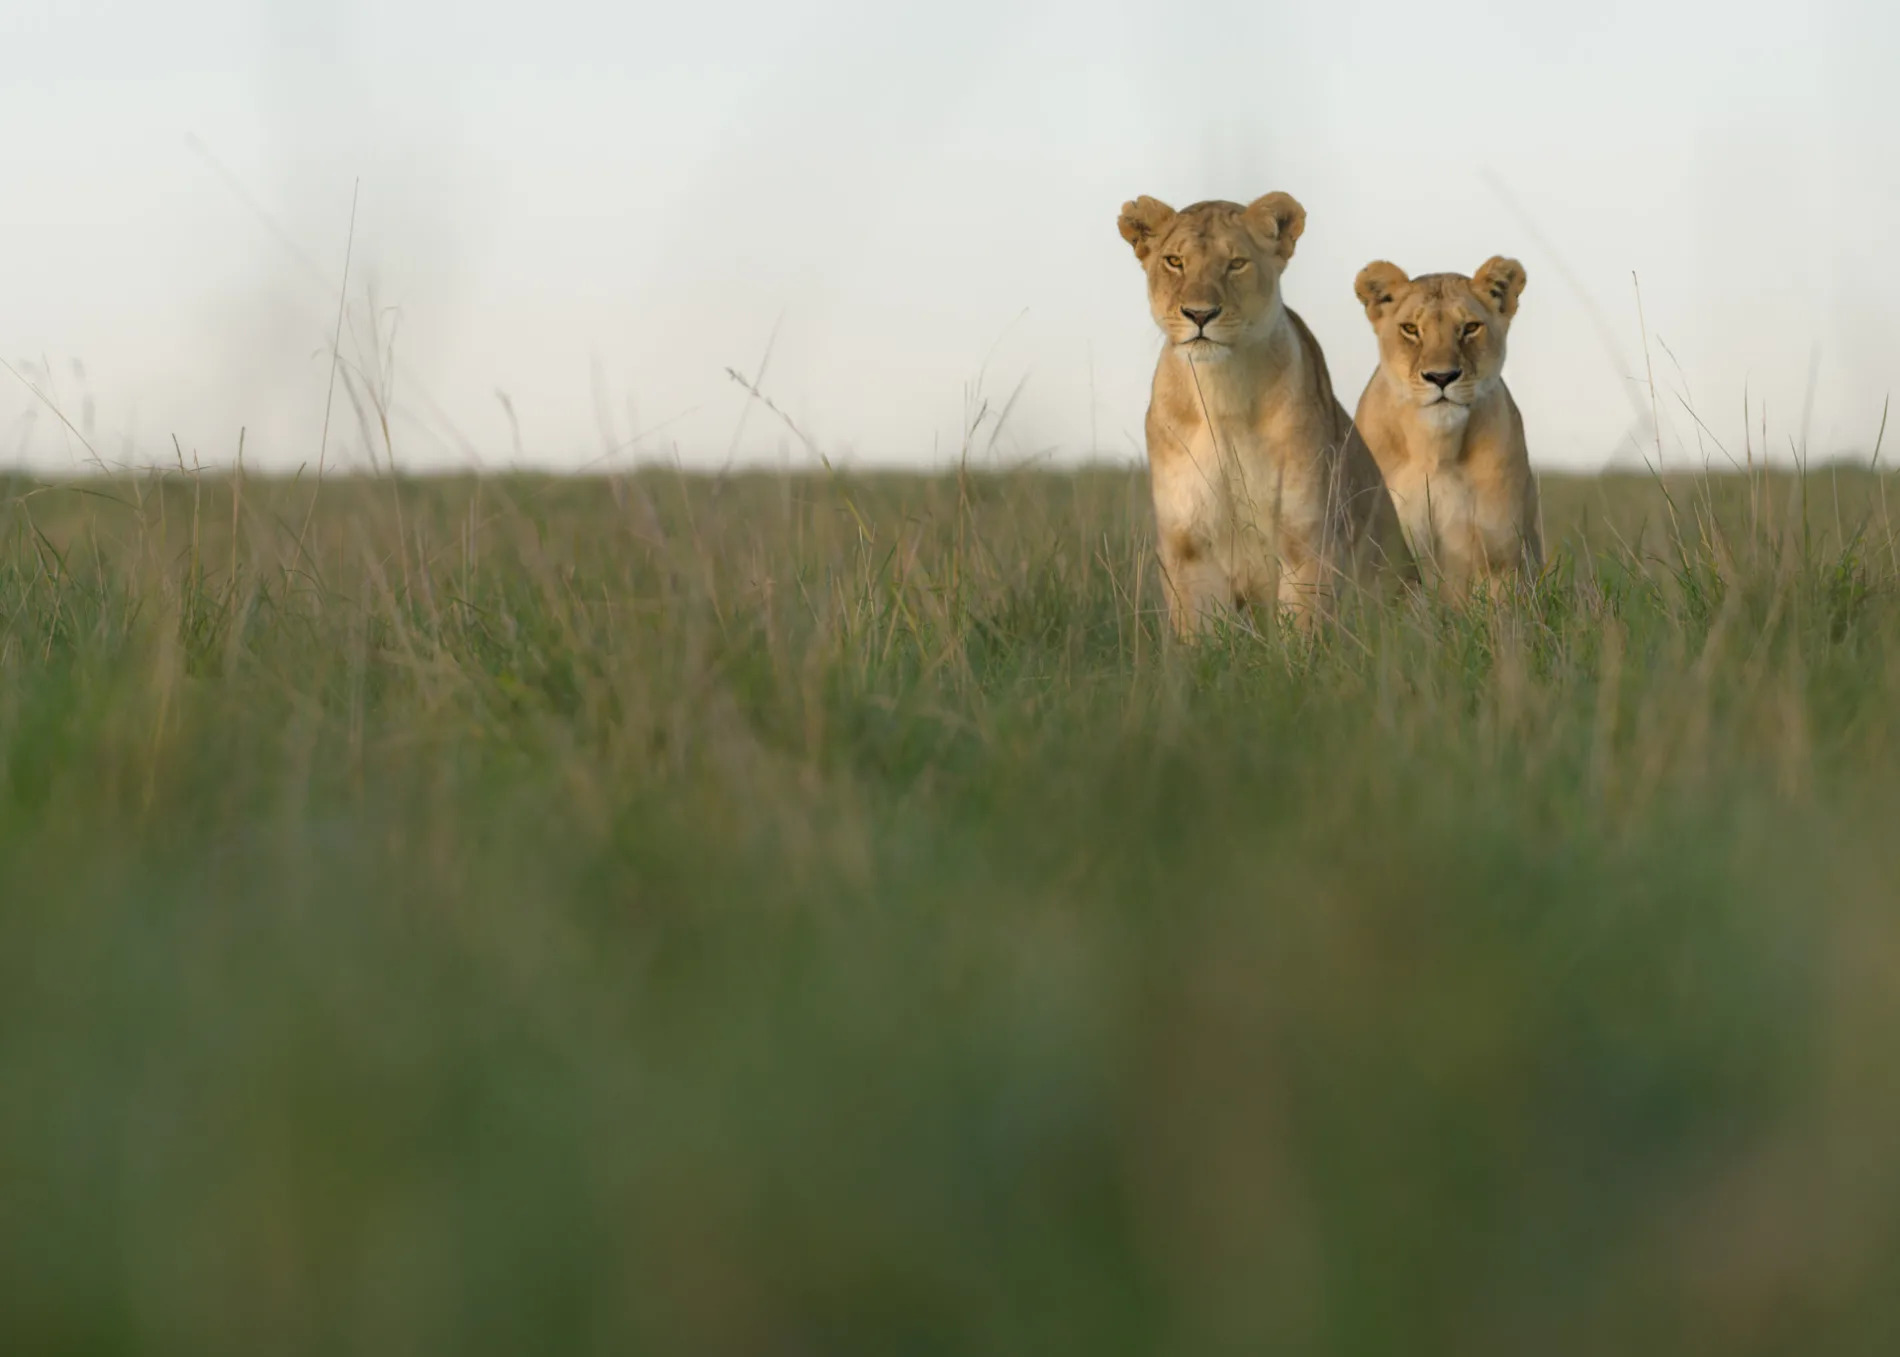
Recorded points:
(1443,426)
(1262,491)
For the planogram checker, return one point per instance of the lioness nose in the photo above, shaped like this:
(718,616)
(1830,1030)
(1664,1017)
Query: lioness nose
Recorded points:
(1441,380)
(1200,315)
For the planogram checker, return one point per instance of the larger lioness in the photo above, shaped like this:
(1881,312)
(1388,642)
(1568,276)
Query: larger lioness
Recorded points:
(1443,426)
(1262,491)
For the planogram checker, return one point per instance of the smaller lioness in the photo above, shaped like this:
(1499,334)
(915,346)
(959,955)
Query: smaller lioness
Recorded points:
(1444,428)
(1262,493)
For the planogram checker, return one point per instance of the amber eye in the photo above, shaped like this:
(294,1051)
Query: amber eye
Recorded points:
(1472,327)
(1409,330)
(1236,264)
(1173,261)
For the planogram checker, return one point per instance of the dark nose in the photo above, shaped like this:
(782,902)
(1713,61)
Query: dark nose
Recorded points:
(1200,315)
(1441,380)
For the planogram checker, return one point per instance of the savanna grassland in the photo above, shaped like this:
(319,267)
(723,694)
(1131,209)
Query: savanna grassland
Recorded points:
(824,915)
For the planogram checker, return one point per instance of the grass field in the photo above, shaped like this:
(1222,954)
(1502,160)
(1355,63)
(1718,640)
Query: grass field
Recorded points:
(824,915)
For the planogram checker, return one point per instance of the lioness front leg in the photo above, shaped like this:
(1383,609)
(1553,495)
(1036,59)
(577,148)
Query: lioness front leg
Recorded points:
(1513,572)
(1198,591)
(1306,591)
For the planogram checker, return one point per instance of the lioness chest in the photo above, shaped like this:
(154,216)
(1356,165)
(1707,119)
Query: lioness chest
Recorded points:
(1240,485)
(1456,508)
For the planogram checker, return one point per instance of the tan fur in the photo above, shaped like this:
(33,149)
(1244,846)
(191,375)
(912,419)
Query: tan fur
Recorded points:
(1263,494)
(1454,460)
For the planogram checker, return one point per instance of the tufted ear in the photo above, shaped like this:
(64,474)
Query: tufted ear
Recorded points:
(1378,286)
(1280,218)
(1500,282)
(1142,223)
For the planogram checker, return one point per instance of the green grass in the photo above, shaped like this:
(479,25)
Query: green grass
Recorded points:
(813,916)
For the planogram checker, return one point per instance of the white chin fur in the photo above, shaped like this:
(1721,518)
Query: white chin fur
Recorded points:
(1445,414)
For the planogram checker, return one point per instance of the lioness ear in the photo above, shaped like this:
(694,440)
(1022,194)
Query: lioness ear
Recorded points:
(1500,282)
(1142,222)
(1377,286)
(1280,218)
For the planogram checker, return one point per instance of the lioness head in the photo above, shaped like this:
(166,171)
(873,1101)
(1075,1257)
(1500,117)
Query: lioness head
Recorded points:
(1441,337)
(1213,268)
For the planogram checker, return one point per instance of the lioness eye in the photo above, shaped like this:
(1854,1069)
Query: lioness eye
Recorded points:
(1471,328)
(1236,264)
(1409,330)
(1173,261)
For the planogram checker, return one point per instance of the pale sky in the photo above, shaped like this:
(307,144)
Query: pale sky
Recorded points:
(596,209)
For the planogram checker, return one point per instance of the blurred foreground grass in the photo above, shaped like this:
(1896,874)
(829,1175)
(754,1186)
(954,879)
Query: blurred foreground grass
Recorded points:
(809,916)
